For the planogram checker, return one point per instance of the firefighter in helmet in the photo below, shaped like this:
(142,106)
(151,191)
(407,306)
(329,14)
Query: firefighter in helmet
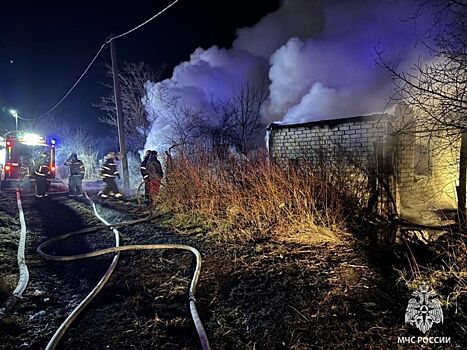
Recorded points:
(145,175)
(108,174)
(41,174)
(76,175)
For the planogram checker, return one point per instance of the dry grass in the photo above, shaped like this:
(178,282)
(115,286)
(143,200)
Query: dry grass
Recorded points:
(249,200)
(448,275)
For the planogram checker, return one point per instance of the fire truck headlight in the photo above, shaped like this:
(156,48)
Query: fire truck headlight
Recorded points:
(7,168)
(31,139)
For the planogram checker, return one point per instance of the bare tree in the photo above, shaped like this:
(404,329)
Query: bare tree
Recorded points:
(437,90)
(232,122)
(133,79)
(245,108)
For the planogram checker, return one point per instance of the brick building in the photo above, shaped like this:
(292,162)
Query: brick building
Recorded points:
(412,170)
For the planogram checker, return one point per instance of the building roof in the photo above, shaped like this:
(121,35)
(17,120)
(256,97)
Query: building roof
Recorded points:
(327,122)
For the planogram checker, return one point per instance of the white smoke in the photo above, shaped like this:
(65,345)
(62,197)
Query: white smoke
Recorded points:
(210,75)
(334,74)
(319,57)
(295,18)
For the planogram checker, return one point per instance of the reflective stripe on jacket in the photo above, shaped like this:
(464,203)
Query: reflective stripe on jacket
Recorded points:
(144,171)
(76,168)
(42,170)
(109,169)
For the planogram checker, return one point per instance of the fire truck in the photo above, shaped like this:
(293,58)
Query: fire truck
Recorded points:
(19,154)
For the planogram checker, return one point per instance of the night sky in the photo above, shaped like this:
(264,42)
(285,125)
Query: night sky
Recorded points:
(45,45)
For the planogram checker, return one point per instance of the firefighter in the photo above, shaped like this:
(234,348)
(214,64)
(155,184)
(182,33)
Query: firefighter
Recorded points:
(144,174)
(108,173)
(41,174)
(76,175)
(26,171)
(155,174)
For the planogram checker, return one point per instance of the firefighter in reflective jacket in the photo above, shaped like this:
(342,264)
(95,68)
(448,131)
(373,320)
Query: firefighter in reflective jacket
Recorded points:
(76,175)
(27,169)
(41,174)
(145,175)
(108,173)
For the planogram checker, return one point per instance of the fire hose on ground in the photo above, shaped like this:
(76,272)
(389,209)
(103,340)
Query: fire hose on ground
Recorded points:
(23,278)
(117,249)
(23,268)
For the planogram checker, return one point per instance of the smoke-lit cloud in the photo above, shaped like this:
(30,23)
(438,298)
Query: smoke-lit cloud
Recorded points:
(319,57)
(210,75)
(295,18)
(333,74)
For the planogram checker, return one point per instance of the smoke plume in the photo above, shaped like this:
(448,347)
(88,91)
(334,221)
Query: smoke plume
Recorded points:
(319,58)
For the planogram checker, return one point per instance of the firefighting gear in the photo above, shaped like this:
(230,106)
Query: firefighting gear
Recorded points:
(145,175)
(41,175)
(26,173)
(155,174)
(154,167)
(109,169)
(154,187)
(113,155)
(108,173)
(76,175)
(27,167)
(143,170)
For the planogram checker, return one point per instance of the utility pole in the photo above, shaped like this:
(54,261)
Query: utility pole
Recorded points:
(120,124)
(16,116)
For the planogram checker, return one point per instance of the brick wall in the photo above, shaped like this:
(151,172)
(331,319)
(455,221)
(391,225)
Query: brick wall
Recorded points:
(436,188)
(353,137)
(372,142)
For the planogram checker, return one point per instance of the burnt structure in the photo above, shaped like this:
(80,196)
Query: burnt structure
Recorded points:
(408,169)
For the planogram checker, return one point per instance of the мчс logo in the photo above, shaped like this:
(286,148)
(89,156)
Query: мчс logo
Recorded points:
(424,310)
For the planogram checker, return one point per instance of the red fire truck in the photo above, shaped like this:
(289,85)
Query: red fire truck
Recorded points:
(19,152)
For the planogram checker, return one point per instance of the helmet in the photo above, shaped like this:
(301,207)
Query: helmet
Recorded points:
(73,155)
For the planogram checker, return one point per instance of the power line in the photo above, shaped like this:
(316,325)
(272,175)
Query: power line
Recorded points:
(142,24)
(94,59)
(70,90)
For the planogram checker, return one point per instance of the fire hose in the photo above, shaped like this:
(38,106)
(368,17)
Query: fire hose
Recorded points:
(23,268)
(117,249)
(23,278)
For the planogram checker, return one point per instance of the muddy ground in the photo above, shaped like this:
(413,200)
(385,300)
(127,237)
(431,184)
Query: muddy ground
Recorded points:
(260,295)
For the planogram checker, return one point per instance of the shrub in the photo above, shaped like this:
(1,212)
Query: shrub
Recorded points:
(254,199)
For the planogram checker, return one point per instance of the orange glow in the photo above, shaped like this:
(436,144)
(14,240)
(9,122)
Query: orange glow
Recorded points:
(7,168)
